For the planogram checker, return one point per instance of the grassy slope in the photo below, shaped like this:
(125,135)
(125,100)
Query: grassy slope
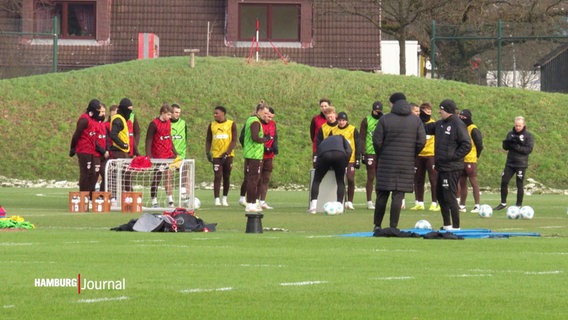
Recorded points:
(38,114)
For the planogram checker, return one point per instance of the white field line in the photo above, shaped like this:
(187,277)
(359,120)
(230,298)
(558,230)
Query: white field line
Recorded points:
(73,228)
(482,271)
(82,242)
(164,245)
(465,275)
(7,306)
(485,273)
(26,262)
(262,265)
(200,290)
(213,247)
(179,246)
(540,273)
(394,278)
(102,299)
(553,227)
(51,195)
(302,283)
(395,250)
(13,244)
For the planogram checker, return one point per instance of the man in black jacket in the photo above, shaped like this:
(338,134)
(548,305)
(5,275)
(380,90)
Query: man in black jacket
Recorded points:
(397,140)
(452,143)
(519,142)
(332,153)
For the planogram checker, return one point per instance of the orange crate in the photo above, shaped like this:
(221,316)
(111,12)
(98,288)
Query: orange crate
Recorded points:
(79,201)
(101,202)
(131,202)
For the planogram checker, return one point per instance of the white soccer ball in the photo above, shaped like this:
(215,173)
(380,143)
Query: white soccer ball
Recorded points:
(513,212)
(485,211)
(332,208)
(527,212)
(340,208)
(423,225)
(196,203)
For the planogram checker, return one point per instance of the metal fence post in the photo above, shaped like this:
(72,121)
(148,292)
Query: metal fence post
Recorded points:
(499,44)
(55,43)
(433,49)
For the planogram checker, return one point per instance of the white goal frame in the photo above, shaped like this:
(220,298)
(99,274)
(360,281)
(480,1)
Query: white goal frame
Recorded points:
(117,170)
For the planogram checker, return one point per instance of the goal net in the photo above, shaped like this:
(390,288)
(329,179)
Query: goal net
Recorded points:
(166,184)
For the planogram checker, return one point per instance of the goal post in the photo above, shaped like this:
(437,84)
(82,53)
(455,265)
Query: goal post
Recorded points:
(165,176)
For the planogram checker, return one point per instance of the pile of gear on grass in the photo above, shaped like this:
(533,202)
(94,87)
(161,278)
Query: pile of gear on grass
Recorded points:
(13,222)
(396,233)
(178,220)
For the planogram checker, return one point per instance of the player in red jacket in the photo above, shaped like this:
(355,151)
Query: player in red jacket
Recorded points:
(159,145)
(270,150)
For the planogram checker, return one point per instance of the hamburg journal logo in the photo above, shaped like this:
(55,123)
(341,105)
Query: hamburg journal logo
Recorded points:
(81,284)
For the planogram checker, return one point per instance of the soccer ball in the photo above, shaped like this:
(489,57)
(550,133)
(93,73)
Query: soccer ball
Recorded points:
(485,211)
(332,208)
(423,225)
(196,203)
(340,207)
(527,212)
(513,212)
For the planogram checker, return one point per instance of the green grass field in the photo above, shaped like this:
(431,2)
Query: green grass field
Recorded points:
(307,272)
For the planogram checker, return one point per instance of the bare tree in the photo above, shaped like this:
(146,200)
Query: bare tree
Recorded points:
(11,6)
(412,19)
(521,21)
(14,7)
(396,18)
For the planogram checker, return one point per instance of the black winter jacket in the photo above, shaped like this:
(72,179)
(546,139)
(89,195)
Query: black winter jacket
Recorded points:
(519,145)
(335,143)
(398,139)
(452,143)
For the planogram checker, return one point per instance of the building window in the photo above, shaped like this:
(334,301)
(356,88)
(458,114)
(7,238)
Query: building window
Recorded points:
(283,23)
(276,22)
(77,19)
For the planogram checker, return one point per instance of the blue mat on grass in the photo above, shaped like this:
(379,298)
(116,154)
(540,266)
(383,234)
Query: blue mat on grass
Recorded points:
(465,233)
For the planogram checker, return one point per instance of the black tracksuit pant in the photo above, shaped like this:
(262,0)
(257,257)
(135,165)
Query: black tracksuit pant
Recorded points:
(446,190)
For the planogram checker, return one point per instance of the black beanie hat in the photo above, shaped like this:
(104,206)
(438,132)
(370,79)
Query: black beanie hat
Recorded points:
(342,116)
(397,96)
(123,106)
(94,105)
(377,105)
(93,109)
(449,106)
(125,103)
(465,113)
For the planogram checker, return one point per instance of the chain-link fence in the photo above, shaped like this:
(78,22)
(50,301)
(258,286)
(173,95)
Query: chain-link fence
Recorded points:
(503,54)
(26,53)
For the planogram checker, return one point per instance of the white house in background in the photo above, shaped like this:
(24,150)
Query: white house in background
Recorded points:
(390,57)
(525,79)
